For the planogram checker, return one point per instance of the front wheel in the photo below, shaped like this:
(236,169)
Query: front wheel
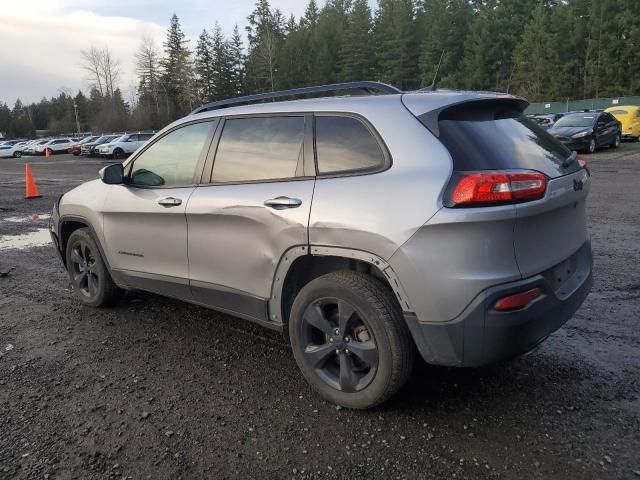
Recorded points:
(17,154)
(89,276)
(118,153)
(350,340)
(592,146)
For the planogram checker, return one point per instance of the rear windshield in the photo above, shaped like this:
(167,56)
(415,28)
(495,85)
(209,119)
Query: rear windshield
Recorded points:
(497,136)
(618,112)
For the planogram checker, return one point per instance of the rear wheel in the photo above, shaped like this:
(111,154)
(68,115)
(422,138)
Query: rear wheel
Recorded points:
(350,340)
(616,142)
(89,276)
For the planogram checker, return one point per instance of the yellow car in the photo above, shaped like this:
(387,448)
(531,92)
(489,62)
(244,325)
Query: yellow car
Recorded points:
(629,117)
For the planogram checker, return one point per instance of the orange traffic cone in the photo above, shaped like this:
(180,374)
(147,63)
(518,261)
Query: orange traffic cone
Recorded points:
(47,152)
(32,188)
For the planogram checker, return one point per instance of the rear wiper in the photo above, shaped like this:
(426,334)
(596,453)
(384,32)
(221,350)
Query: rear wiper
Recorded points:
(572,158)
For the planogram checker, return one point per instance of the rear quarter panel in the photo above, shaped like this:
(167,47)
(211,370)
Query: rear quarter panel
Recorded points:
(378,212)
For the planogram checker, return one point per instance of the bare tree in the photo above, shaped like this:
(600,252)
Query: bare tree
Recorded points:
(103,69)
(148,70)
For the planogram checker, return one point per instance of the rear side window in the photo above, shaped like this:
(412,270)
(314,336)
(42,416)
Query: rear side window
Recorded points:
(496,136)
(261,148)
(344,144)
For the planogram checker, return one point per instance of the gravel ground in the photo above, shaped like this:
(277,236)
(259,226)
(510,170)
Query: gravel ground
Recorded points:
(155,388)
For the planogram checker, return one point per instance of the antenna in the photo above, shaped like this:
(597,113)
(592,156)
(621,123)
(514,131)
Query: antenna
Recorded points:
(433,86)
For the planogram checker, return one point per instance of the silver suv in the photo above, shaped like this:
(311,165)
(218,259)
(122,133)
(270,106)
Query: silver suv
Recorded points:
(366,228)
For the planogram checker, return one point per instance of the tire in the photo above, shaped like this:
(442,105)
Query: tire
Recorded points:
(325,347)
(616,141)
(95,289)
(118,153)
(592,146)
(17,154)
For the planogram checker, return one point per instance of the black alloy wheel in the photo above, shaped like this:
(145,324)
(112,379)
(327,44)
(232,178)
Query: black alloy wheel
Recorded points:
(338,344)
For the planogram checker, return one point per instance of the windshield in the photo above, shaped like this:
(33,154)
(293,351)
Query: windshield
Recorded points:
(576,120)
(103,139)
(123,138)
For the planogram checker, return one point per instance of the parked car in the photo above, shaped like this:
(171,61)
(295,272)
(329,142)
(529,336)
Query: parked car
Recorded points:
(12,148)
(587,131)
(55,145)
(76,147)
(90,148)
(366,228)
(30,149)
(629,118)
(124,146)
(547,120)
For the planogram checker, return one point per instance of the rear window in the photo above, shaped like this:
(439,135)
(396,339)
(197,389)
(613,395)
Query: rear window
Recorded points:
(618,112)
(497,136)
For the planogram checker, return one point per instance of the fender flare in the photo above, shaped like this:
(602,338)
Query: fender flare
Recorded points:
(288,258)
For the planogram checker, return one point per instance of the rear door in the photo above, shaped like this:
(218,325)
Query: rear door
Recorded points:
(255,207)
(145,225)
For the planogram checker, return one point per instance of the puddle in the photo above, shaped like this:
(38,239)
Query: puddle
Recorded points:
(33,239)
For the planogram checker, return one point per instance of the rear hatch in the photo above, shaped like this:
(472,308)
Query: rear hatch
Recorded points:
(492,135)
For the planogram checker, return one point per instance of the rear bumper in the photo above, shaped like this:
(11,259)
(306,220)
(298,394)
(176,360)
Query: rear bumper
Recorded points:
(482,335)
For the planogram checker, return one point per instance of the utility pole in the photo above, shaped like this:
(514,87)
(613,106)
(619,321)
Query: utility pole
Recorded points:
(75,110)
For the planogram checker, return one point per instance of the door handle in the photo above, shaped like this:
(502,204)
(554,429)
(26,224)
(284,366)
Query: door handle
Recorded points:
(170,202)
(280,203)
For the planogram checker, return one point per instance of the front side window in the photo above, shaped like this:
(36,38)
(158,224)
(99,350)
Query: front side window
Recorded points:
(172,160)
(262,148)
(344,144)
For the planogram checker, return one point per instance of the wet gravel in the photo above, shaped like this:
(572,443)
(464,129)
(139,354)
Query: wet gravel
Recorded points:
(159,389)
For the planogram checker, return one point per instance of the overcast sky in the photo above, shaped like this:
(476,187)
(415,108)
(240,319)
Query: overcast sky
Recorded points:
(41,40)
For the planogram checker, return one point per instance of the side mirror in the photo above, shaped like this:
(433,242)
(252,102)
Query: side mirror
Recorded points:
(112,174)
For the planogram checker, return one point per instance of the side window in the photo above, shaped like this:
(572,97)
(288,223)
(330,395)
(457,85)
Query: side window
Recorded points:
(344,144)
(172,160)
(261,148)
(132,138)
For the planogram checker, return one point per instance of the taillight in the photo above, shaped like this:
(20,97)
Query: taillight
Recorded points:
(583,164)
(497,187)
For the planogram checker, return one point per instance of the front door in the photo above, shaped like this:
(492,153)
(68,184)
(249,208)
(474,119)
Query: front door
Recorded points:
(145,225)
(255,208)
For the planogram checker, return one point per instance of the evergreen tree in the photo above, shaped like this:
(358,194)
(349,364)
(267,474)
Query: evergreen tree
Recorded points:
(177,68)
(328,37)
(237,61)
(356,52)
(204,67)
(443,26)
(265,34)
(493,35)
(223,66)
(395,40)
(535,57)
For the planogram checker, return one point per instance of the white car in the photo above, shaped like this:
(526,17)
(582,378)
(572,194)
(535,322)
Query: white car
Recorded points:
(56,145)
(124,146)
(31,146)
(12,149)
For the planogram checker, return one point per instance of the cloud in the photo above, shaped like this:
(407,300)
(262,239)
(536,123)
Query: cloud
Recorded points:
(41,52)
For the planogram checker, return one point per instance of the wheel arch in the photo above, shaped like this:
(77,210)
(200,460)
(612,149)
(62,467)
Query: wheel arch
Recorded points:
(300,265)
(69,224)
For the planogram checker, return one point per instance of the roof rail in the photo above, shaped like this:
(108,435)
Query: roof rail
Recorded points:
(367,86)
